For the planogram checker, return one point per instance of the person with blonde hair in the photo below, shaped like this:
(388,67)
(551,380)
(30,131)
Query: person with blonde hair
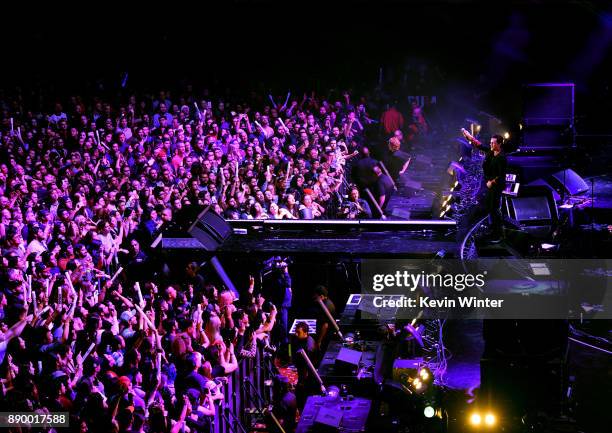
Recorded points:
(397,161)
(394,144)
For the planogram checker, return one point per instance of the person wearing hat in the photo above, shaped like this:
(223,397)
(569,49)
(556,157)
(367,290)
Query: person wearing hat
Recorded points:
(58,393)
(42,270)
(128,321)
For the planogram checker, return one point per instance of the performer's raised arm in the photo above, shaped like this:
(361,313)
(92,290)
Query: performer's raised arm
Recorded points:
(469,137)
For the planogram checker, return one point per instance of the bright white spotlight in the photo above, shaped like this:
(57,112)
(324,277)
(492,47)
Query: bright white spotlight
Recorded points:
(506,135)
(429,412)
(490,419)
(475,419)
(417,384)
(424,374)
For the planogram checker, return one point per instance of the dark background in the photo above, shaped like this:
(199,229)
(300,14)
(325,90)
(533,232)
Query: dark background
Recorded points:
(480,51)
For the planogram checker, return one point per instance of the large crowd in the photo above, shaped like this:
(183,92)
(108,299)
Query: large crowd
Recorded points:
(82,188)
(84,327)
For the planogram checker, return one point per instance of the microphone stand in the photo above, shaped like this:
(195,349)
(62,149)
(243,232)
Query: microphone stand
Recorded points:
(388,174)
(312,369)
(375,203)
(262,409)
(228,422)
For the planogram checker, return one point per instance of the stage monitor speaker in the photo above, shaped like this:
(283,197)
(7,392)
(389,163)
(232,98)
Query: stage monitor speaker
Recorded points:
(329,418)
(570,181)
(182,219)
(347,361)
(210,229)
(548,102)
(321,415)
(535,205)
(543,183)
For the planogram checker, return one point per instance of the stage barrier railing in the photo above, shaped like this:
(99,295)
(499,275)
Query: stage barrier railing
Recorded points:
(248,391)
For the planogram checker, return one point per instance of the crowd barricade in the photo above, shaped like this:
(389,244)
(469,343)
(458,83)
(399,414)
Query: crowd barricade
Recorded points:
(247,393)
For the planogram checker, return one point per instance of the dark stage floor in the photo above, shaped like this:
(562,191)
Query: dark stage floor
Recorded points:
(464,341)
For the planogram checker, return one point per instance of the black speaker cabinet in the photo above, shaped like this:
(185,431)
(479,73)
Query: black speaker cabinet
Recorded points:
(547,137)
(570,181)
(210,229)
(548,103)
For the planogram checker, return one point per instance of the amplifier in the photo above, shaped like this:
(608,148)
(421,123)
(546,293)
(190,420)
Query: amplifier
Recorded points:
(354,368)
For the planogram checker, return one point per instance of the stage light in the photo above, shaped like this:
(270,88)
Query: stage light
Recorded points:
(429,412)
(417,384)
(456,187)
(490,419)
(475,419)
(424,374)
(506,135)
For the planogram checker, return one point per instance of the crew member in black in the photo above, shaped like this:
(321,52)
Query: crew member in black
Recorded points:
(307,384)
(494,168)
(383,190)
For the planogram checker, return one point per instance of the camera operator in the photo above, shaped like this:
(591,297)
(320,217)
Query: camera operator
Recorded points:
(355,207)
(278,282)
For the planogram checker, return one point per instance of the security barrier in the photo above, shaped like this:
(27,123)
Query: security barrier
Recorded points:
(248,393)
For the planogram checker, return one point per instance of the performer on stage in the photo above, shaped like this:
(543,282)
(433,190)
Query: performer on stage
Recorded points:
(494,168)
